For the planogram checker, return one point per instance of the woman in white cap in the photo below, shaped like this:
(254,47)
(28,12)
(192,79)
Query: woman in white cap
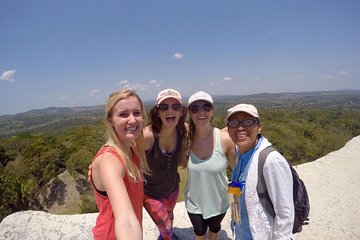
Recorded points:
(210,152)
(244,128)
(165,142)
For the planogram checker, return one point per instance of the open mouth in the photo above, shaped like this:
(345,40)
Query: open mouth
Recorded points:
(241,135)
(170,118)
(131,129)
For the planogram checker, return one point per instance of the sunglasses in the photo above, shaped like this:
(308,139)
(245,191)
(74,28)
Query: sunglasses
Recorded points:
(234,123)
(174,106)
(194,108)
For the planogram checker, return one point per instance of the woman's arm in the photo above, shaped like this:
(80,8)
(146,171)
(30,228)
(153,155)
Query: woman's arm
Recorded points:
(183,158)
(111,173)
(279,184)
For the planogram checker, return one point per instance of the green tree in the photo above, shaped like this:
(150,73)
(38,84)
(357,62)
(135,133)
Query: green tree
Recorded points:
(4,158)
(79,161)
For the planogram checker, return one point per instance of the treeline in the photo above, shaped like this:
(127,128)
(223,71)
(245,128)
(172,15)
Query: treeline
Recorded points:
(29,160)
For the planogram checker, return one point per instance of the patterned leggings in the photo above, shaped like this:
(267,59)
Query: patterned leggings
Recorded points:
(161,212)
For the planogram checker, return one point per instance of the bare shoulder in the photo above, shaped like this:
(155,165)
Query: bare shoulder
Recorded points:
(107,168)
(147,131)
(148,137)
(229,146)
(224,136)
(109,162)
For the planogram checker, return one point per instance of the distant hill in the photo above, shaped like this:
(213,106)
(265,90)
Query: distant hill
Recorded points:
(54,119)
(320,99)
(49,119)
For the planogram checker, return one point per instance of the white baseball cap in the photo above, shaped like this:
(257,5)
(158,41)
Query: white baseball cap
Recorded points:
(168,93)
(242,107)
(201,95)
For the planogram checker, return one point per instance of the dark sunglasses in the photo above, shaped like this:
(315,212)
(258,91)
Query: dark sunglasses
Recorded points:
(194,108)
(174,106)
(234,123)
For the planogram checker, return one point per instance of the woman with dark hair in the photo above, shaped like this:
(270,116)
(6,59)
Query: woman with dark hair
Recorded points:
(165,143)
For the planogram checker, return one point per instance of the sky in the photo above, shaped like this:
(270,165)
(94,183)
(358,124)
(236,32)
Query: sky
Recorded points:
(67,53)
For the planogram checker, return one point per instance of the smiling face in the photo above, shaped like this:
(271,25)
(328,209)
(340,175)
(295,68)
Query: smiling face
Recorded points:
(171,115)
(127,120)
(203,114)
(244,137)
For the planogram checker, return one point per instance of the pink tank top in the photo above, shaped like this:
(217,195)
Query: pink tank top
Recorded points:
(105,228)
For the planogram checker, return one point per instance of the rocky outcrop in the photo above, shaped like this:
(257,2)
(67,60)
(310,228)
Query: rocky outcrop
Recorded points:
(62,195)
(332,182)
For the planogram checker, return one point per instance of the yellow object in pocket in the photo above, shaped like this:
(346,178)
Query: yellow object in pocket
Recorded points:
(234,190)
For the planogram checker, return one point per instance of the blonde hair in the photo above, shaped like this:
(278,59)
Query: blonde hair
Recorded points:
(138,146)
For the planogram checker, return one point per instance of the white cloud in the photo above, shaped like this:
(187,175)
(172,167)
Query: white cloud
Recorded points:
(94,92)
(226,79)
(123,82)
(342,72)
(153,81)
(178,56)
(156,83)
(136,86)
(8,76)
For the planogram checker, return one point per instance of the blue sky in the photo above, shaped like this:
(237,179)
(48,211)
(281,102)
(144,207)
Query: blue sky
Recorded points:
(75,53)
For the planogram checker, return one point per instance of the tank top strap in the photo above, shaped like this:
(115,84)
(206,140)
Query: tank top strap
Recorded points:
(217,139)
(104,149)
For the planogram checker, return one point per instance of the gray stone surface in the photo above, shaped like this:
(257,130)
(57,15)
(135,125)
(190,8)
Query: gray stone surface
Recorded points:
(37,225)
(31,225)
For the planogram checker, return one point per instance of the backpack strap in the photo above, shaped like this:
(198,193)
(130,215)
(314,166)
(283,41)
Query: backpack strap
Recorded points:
(261,184)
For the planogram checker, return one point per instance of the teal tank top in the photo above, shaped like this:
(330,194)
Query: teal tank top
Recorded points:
(206,187)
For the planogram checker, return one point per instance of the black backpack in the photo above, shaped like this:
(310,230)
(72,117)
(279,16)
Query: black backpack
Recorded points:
(300,196)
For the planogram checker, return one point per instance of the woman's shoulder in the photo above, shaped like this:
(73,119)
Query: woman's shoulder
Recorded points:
(109,161)
(148,137)
(224,136)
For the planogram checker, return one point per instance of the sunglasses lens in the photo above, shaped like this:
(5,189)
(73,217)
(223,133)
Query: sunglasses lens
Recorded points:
(248,122)
(163,107)
(233,123)
(176,106)
(194,108)
(207,107)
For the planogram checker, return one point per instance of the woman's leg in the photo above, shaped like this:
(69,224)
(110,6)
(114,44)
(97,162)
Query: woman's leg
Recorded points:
(161,212)
(215,226)
(158,213)
(199,225)
(170,203)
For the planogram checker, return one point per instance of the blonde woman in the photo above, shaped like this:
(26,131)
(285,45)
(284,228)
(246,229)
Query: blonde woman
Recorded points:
(117,169)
